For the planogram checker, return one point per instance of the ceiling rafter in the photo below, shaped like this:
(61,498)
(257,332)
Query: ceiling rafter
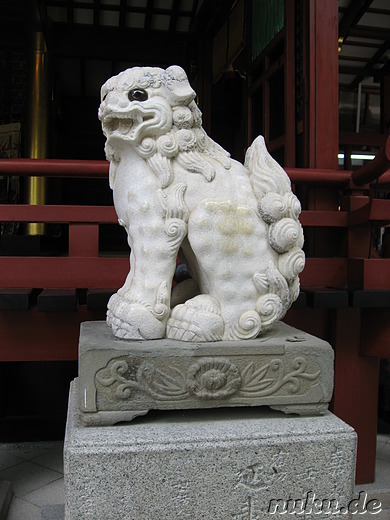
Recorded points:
(384,71)
(174,16)
(148,16)
(359,59)
(353,43)
(122,15)
(371,33)
(96,12)
(368,70)
(352,15)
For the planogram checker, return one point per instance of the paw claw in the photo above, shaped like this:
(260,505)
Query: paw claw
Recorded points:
(198,319)
(133,320)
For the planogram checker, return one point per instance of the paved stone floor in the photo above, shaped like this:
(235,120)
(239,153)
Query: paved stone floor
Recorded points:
(35,470)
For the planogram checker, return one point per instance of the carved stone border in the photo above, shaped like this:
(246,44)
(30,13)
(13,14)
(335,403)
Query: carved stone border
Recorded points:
(285,369)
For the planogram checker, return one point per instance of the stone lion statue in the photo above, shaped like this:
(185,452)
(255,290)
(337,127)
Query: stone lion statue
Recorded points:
(177,192)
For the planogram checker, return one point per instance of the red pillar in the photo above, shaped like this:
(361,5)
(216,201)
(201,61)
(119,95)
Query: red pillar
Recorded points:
(356,389)
(322,76)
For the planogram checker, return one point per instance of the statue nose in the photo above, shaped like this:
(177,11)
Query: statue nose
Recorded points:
(123,102)
(118,100)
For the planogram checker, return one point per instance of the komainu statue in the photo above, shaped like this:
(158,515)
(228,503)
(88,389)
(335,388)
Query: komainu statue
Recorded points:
(177,192)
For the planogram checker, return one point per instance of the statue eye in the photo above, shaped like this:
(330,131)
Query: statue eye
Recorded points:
(138,94)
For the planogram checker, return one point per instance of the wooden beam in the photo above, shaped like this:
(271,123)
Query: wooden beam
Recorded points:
(324,272)
(58,213)
(368,70)
(375,339)
(352,15)
(62,272)
(50,337)
(322,118)
(356,388)
(289,84)
(324,218)
(369,273)
(371,33)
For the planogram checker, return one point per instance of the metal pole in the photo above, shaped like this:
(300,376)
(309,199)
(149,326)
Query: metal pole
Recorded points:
(37,122)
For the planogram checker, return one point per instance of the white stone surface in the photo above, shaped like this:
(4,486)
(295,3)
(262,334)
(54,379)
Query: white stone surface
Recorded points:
(208,464)
(176,190)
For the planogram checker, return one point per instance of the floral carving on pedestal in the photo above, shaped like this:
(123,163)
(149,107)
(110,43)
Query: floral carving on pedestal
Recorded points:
(207,378)
(254,382)
(213,378)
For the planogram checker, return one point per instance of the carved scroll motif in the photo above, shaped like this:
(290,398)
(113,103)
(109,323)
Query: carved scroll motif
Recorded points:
(207,378)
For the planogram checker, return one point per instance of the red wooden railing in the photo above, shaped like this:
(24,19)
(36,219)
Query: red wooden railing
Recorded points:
(84,267)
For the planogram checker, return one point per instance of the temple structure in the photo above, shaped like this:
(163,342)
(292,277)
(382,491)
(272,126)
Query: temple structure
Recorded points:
(311,76)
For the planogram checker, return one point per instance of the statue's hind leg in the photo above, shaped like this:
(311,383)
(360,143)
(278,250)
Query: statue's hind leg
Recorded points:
(230,246)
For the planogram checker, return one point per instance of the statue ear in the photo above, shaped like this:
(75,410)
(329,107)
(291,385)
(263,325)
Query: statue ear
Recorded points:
(180,86)
(176,72)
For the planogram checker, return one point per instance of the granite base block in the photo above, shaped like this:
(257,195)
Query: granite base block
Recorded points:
(285,368)
(216,464)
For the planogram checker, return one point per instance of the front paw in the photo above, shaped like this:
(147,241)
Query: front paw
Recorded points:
(134,320)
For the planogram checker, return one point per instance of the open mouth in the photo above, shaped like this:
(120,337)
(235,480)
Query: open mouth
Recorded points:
(124,126)
(120,126)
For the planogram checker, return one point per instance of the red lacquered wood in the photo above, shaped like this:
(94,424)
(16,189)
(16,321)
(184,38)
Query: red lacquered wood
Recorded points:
(318,176)
(374,210)
(62,272)
(324,218)
(373,169)
(40,336)
(54,167)
(375,339)
(57,213)
(289,83)
(369,273)
(321,64)
(324,272)
(84,240)
(356,389)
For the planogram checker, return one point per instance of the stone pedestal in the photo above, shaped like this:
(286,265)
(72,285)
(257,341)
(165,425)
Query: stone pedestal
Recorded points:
(209,464)
(285,368)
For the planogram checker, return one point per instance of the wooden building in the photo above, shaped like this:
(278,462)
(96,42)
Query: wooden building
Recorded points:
(312,76)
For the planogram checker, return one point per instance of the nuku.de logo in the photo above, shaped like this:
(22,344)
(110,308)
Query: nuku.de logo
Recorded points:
(313,505)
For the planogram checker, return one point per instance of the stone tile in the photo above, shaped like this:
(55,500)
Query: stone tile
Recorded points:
(28,450)
(383,437)
(8,459)
(22,510)
(52,459)
(26,477)
(50,494)
(384,453)
(53,512)
(379,446)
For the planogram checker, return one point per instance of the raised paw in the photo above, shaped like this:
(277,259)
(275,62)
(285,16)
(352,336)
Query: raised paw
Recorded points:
(199,319)
(134,320)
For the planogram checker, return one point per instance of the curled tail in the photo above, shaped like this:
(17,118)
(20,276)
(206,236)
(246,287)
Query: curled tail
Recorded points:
(280,209)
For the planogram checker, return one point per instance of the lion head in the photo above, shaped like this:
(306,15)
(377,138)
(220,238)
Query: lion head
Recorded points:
(154,111)
(140,101)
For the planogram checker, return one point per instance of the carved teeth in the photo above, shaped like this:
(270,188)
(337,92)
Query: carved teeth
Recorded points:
(121,125)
